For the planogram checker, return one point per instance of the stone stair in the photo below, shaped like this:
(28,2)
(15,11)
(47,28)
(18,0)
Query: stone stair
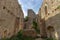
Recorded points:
(38,39)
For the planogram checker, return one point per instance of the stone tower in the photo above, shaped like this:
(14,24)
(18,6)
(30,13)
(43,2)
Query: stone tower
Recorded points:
(31,17)
(11,18)
(50,12)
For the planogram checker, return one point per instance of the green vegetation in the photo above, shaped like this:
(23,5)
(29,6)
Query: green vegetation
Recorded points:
(26,19)
(58,7)
(34,24)
(5,39)
(19,36)
(35,27)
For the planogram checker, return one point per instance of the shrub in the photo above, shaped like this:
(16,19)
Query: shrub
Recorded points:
(35,27)
(19,36)
(26,19)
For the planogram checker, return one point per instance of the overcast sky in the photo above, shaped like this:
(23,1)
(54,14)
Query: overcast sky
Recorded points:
(30,4)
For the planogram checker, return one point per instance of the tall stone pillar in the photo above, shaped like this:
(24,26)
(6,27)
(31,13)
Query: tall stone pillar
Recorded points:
(31,18)
(42,25)
(41,21)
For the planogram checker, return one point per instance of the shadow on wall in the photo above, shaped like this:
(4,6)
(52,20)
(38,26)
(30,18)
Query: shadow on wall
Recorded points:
(54,23)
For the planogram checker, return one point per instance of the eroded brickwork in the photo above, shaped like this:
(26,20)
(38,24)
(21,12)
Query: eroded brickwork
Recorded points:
(10,11)
(50,10)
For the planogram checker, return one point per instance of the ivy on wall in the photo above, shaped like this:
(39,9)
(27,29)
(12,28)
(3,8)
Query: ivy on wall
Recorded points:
(35,25)
(26,19)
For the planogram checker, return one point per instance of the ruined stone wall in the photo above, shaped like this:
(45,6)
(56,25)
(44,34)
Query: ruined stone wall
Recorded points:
(53,19)
(50,11)
(31,17)
(9,10)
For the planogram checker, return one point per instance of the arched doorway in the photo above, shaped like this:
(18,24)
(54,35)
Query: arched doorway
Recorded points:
(51,31)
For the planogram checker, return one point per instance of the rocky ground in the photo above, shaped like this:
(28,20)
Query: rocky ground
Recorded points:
(38,39)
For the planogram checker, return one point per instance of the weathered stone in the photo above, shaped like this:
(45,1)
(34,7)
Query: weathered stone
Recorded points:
(30,33)
(51,15)
(31,17)
(11,17)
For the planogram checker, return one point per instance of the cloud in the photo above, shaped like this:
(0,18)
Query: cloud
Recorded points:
(30,4)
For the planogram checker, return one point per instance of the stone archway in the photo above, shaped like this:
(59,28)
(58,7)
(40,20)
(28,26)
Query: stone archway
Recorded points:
(51,31)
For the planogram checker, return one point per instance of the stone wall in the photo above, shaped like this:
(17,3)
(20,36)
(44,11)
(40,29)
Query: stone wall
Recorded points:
(9,11)
(51,14)
(31,18)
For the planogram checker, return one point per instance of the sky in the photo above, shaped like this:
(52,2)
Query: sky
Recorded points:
(30,4)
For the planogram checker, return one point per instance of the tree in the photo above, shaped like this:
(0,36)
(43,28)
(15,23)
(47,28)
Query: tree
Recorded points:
(26,18)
